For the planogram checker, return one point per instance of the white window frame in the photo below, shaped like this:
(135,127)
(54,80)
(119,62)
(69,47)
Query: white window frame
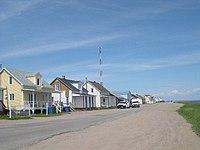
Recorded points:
(38,81)
(12,97)
(57,87)
(10,80)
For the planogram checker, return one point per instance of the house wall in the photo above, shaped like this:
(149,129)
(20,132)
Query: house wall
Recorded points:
(60,97)
(104,103)
(112,101)
(14,88)
(95,93)
(78,101)
(147,100)
(62,87)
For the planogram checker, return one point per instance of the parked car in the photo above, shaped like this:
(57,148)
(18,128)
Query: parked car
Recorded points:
(135,104)
(123,104)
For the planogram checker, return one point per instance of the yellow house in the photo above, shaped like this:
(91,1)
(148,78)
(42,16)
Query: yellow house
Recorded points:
(23,90)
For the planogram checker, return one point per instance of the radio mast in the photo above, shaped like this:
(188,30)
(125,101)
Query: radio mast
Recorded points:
(100,65)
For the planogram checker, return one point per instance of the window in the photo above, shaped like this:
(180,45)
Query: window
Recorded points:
(104,100)
(10,80)
(92,90)
(12,96)
(38,81)
(31,99)
(57,87)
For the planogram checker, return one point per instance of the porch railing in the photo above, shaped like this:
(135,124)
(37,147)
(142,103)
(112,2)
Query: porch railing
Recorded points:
(37,104)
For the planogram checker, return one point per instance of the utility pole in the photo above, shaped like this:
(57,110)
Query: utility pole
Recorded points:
(100,65)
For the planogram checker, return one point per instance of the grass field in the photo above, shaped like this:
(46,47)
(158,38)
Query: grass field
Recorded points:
(191,112)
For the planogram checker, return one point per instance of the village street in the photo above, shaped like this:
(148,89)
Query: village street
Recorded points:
(20,133)
(156,126)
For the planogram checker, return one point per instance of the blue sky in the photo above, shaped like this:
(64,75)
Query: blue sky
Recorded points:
(148,46)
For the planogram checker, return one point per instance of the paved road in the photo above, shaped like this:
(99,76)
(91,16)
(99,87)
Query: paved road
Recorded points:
(21,133)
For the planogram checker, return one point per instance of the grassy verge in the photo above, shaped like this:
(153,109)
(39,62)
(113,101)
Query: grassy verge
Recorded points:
(191,112)
(5,117)
(50,115)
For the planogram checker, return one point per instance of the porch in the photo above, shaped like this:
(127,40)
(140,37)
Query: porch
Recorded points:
(33,100)
(104,101)
(81,101)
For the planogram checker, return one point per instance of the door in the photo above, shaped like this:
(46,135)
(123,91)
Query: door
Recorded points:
(31,96)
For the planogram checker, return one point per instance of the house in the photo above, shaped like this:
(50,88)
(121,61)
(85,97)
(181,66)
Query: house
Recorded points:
(149,99)
(103,97)
(72,92)
(135,97)
(141,97)
(118,97)
(2,106)
(24,90)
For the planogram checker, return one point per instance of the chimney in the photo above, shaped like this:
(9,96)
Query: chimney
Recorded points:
(63,76)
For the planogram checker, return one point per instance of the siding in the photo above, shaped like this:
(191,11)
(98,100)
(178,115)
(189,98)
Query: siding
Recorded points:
(94,93)
(62,87)
(14,88)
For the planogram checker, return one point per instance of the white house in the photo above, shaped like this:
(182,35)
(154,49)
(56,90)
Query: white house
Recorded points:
(136,98)
(103,97)
(149,99)
(71,92)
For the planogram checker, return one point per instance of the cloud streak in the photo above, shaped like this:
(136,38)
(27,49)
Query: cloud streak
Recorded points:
(48,48)
(16,8)
(177,93)
(179,60)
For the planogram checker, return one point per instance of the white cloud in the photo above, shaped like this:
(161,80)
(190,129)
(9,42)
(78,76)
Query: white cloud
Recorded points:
(174,92)
(16,8)
(144,65)
(183,94)
(47,48)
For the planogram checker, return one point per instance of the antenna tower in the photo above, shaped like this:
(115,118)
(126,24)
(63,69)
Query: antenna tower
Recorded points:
(100,65)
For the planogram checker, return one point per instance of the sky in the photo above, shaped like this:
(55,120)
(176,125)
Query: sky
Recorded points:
(148,46)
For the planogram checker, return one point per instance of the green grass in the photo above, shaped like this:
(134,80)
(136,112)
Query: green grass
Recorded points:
(5,117)
(191,112)
(50,115)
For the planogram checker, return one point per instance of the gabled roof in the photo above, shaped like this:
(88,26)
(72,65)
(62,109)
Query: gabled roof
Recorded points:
(134,96)
(21,77)
(139,96)
(100,87)
(69,83)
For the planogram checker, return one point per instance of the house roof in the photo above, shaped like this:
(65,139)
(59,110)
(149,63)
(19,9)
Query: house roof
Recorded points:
(134,96)
(69,83)
(21,77)
(101,88)
(139,96)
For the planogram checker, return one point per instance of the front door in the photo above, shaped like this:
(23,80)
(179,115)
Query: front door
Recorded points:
(31,96)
